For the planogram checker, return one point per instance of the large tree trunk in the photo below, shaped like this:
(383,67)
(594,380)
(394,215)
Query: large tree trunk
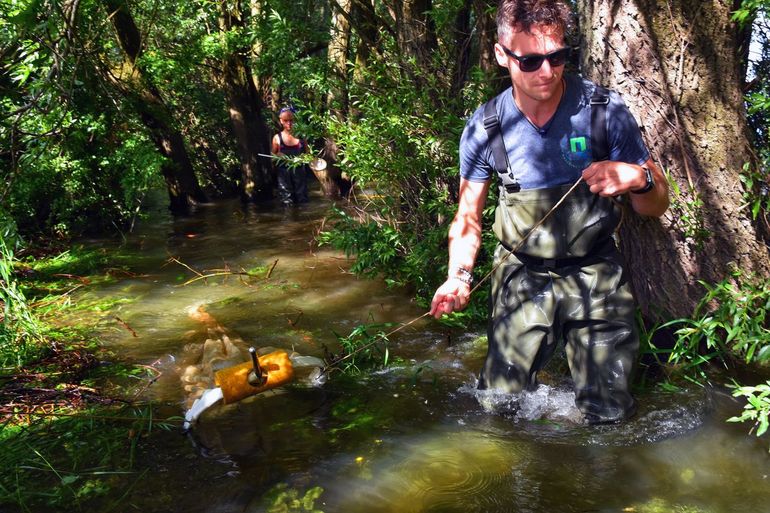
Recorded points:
(416,37)
(183,188)
(339,51)
(676,64)
(337,99)
(261,82)
(365,20)
(416,32)
(245,107)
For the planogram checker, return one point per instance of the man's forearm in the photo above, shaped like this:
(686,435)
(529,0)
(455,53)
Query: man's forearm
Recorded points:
(465,231)
(464,243)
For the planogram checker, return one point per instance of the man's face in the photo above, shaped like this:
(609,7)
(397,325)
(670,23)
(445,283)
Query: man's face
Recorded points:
(544,83)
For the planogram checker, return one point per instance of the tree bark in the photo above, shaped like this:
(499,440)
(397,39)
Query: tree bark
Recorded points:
(245,108)
(677,65)
(183,188)
(487,37)
(416,40)
(337,98)
(416,32)
(461,49)
(339,51)
(261,82)
(366,26)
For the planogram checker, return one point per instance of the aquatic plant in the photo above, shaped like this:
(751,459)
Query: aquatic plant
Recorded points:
(283,499)
(360,350)
(757,407)
(729,323)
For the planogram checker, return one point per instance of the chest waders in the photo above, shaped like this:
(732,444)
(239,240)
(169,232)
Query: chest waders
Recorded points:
(566,282)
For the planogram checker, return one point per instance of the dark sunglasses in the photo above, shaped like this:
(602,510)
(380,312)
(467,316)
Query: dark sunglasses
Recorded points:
(529,63)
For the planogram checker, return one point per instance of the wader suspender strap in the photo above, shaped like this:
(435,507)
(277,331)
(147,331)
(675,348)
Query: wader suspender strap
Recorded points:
(502,166)
(599,101)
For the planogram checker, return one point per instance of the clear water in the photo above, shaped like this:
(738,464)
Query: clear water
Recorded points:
(415,438)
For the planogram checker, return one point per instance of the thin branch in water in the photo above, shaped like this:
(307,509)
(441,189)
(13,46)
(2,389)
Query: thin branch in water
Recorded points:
(176,260)
(211,273)
(125,325)
(270,271)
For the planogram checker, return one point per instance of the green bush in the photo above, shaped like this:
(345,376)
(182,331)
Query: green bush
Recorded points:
(20,331)
(730,321)
(400,146)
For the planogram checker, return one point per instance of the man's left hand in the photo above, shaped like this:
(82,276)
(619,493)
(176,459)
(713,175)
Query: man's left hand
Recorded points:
(608,178)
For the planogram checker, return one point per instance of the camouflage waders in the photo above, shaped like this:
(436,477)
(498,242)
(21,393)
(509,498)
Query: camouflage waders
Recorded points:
(566,283)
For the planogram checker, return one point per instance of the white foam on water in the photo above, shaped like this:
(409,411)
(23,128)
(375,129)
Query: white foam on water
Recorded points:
(550,403)
(545,402)
(659,417)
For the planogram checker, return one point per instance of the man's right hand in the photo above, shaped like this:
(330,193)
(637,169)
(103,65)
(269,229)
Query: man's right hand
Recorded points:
(452,296)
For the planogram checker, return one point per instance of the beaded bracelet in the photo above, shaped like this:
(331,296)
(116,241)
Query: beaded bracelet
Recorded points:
(463,274)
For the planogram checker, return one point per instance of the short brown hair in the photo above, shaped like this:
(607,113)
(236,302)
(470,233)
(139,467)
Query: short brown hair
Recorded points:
(522,15)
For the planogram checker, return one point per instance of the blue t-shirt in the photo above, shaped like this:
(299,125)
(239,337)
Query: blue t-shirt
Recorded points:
(556,153)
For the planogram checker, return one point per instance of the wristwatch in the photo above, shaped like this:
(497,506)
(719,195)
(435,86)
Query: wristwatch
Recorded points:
(649,185)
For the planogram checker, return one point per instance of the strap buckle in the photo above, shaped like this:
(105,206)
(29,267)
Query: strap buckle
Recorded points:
(512,187)
(491,121)
(600,99)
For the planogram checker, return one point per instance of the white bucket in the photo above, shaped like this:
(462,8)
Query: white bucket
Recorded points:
(318,164)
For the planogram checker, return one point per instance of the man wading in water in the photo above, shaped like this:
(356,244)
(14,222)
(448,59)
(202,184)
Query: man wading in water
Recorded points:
(567,280)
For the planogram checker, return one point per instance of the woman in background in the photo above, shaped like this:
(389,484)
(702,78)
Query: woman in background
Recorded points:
(292,180)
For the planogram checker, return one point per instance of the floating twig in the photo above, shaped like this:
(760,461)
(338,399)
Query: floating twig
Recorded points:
(81,279)
(125,325)
(270,271)
(212,273)
(177,261)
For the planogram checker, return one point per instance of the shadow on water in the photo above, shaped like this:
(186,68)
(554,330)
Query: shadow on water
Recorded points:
(415,438)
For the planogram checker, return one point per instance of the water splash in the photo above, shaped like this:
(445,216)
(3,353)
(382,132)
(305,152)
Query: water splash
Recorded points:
(660,416)
(544,403)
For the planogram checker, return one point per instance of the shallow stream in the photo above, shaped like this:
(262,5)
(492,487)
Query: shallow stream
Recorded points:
(415,438)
